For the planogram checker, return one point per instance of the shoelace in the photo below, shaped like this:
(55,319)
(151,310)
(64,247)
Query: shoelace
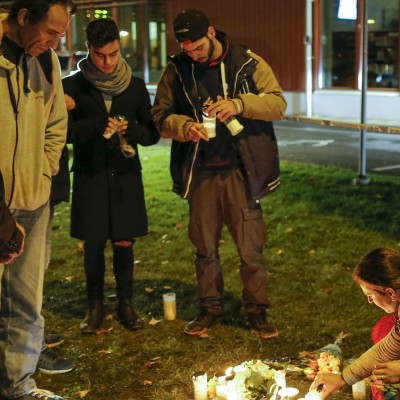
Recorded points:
(43,394)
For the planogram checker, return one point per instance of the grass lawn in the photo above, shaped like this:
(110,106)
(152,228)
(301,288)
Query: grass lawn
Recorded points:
(319,225)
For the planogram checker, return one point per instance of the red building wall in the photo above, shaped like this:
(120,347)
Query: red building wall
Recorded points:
(273,29)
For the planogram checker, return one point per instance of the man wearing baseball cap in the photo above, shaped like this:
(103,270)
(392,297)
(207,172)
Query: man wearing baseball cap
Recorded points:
(223,177)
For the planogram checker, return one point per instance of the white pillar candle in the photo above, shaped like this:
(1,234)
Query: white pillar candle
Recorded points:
(220,386)
(200,385)
(231,393)
(169,300)
(359,391)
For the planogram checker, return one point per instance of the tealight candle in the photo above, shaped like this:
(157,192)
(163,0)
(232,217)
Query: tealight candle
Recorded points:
(200,385)
(288,393)
(312,395)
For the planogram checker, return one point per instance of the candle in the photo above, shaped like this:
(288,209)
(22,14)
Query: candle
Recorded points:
(200,385)
(169,300)
(220,386)
(312,395)
(288,393)
(231,393)
(359,391)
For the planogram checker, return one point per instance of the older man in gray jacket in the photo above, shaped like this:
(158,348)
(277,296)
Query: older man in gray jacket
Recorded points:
(34,124)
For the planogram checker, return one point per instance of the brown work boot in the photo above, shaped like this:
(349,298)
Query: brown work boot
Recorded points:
(260,326)
(202,322)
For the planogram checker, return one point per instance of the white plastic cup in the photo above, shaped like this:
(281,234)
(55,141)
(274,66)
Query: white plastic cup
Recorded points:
(169,300)
(210,125)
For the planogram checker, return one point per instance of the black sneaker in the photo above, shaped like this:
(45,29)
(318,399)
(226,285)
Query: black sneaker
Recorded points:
(41,394)
(259,325)
(53,340)
(51,363)
(202,322)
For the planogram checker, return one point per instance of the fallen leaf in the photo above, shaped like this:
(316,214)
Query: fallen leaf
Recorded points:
(289,230)
(103,331)
(147,383)
(137,261)
(179,226)
(154,321)
(165,262)
(80,247)
(155,358)
(108,317)
(149,290)
(104,351)
(83,393)
(279,252)
(150,364)
(204,336)
(163,237)
(167,287)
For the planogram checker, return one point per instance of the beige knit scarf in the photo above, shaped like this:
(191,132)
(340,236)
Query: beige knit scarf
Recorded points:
(111,84)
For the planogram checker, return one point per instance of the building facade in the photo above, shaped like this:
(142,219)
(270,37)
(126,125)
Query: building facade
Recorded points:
(322,51)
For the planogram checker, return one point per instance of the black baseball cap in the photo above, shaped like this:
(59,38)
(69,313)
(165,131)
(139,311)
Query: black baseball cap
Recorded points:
(190,25)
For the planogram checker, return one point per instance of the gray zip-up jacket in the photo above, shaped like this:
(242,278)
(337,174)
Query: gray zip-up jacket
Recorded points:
(33,129)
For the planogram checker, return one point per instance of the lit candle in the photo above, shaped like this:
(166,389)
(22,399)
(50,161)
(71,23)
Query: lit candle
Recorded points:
(288,393)
(220,386)
(200,385)
(312,395)
(359,391)
(231,393)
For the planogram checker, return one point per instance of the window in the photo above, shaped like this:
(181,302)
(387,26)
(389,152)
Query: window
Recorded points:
(341,44)
(383,43)
(338,47)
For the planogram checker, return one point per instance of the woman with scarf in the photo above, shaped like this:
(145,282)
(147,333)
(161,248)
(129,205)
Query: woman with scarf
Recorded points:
(111,117)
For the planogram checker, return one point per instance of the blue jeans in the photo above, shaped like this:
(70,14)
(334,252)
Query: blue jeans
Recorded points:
(21,323)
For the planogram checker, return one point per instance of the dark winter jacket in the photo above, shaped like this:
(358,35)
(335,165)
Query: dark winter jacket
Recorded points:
(250,80)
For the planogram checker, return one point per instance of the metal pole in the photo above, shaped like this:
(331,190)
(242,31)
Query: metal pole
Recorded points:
(362,178)
(308,44)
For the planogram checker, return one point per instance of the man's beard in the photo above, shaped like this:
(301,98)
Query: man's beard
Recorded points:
(210,52)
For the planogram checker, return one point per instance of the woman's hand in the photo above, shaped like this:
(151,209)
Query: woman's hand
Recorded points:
(388,372)
(327,384)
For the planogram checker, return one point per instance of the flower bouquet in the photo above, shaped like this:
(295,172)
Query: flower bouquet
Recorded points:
(326,359)
(252,380)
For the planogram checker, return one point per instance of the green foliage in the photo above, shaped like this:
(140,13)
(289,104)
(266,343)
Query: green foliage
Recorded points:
(319,225)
